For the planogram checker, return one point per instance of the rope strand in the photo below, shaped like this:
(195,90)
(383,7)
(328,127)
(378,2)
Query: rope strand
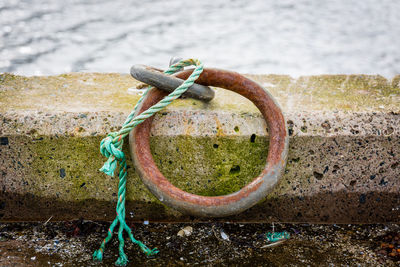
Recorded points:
(111,147)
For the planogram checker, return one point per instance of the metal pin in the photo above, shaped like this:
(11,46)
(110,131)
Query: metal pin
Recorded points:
(168,83)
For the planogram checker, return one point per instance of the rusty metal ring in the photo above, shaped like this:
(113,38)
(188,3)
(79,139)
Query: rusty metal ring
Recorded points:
(216,206)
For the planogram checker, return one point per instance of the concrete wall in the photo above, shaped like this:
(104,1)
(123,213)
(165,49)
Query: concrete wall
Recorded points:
(343,163)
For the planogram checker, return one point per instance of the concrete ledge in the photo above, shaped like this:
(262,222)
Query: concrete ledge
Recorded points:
(343,161)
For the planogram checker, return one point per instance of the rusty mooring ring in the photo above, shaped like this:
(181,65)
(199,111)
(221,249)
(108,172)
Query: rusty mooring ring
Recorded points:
(216,206)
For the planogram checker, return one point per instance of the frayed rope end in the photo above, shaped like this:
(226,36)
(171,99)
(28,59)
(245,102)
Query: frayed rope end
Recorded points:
(122,260)
(98,255)
(147,251)
(152,252)
(109,167)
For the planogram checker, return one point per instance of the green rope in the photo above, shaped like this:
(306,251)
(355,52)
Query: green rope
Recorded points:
(278,236)
(111,147)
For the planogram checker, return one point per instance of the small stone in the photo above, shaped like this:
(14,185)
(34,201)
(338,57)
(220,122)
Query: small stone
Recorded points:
(181,233)
(33,258)
(187,231)
(224,236)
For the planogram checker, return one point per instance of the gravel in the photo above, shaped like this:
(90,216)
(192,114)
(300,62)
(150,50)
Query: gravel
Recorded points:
(72,243)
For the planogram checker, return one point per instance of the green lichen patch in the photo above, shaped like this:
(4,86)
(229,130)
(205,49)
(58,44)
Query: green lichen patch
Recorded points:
(326,178)
(210,166)
(67,168)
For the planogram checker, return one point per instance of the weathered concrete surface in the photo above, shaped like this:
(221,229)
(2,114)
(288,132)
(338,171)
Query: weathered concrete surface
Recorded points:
(343,161)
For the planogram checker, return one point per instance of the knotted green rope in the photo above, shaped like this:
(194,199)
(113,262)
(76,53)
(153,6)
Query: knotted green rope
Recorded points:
(111,147)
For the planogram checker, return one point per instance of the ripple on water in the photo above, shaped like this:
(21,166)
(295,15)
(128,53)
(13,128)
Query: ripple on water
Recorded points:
(293,37)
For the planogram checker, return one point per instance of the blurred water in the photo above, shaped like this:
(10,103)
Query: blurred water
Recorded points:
(293,37)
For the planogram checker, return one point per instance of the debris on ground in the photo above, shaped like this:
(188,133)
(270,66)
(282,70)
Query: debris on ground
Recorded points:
(390,246)
(224,236)
(72,244)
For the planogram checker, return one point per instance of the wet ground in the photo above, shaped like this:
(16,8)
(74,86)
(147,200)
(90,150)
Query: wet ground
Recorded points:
(72,244)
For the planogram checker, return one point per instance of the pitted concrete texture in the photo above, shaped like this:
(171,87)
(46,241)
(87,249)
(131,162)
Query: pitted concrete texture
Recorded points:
(343,163)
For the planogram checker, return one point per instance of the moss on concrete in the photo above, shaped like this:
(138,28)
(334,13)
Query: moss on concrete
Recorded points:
(45,176)
(67,167)
(67,92)
(79,92)
(210,166)
(347,92)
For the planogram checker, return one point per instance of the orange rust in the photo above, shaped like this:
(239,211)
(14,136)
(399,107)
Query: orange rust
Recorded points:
(220,131)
